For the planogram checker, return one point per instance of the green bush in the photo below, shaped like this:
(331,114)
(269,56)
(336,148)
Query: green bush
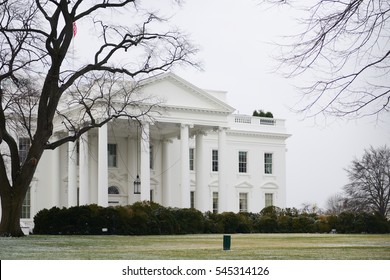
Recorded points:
(189,221)
(146,218)
(213,223)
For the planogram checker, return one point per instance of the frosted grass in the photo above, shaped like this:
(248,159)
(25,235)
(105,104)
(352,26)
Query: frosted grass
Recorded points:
(244,246)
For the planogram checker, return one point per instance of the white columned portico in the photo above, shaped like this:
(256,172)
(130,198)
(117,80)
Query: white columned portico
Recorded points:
(201,191)
(185,166)
(222,171)
(102,167)
(83,169)
(145,162)
(72,174)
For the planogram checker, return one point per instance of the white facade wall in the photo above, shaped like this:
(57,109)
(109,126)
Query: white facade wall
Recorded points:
(188,112)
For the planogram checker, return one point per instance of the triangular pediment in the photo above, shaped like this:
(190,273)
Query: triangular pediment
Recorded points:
(244,185)
(175,92)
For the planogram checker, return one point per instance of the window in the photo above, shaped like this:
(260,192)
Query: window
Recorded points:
(214,160)
(215,202)
(112,162)
(192,159)
(268,163)
(26,206)
(243,202)
(24,145)
(192,199)
(269,199)
(242,162)
(151,161)
(113,190)
(151,195)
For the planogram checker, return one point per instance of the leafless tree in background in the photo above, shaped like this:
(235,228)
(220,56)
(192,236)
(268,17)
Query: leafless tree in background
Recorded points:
(369,187)
(344,49)
(336,204)
(39,79)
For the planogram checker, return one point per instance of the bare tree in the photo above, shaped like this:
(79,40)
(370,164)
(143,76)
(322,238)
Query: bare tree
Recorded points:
(336,204)
(369,187)
(344,50)
(39,80)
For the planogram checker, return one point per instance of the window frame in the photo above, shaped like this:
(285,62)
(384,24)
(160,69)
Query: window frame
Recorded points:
(242,165)
(214,160)
(192,199)
(268,199)
(112,157)
(192,159)
(26,206)
(268,163)
(243,202)
(215,202)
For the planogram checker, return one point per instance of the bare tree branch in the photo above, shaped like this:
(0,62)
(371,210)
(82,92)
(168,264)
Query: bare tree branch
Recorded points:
(369,186)
(344,49)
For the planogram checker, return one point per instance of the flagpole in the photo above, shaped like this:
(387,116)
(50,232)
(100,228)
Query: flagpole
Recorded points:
(74,36)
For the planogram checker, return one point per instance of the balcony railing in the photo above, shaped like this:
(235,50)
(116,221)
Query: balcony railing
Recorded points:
(257,123)
(254,120)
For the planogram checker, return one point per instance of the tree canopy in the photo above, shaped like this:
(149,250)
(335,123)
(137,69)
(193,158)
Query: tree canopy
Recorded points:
(369,182)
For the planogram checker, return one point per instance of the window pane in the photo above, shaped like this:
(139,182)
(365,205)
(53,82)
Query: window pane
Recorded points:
(242,162)
(215,160)
(269,199)
(243,202)
(113,190)
(192,159)
(268,163)
(215,202)
(26,206)
(192,194)
(151,159)
(112,155)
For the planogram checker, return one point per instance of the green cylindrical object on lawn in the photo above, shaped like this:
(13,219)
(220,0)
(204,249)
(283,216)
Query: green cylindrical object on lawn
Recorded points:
(226,242)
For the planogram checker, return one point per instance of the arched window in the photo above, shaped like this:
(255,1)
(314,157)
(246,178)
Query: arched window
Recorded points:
(113,190)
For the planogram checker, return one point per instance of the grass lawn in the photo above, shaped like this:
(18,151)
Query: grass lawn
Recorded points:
(243,246)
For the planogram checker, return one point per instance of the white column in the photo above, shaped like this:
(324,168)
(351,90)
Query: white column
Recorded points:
(145,162)
(132,169)
(72,174)
(185,166)
(222,171)
(83,170)
(166,163)
(102,167)
(201,191)
(56,180)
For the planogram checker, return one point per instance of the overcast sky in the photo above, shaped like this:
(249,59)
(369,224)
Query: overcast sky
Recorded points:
(234,40)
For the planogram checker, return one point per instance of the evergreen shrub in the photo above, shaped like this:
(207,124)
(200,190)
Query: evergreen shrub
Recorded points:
(149,218)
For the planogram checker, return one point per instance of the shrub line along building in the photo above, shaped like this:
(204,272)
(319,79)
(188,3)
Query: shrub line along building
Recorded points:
(195,152)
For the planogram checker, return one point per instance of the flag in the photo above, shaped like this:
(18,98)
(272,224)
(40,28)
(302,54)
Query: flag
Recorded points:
(74,29)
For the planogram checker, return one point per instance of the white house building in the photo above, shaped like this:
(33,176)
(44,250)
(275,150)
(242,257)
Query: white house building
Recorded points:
(195,153)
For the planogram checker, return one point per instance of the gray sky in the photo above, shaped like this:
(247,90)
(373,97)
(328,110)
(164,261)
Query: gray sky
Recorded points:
(233,37)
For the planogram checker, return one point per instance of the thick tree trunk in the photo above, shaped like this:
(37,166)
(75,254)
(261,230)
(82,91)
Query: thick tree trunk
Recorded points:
(11,209)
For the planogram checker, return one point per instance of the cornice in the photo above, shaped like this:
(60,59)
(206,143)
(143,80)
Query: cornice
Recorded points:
(270,135)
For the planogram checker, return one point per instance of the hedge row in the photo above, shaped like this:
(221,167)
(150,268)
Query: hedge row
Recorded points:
(148,218)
